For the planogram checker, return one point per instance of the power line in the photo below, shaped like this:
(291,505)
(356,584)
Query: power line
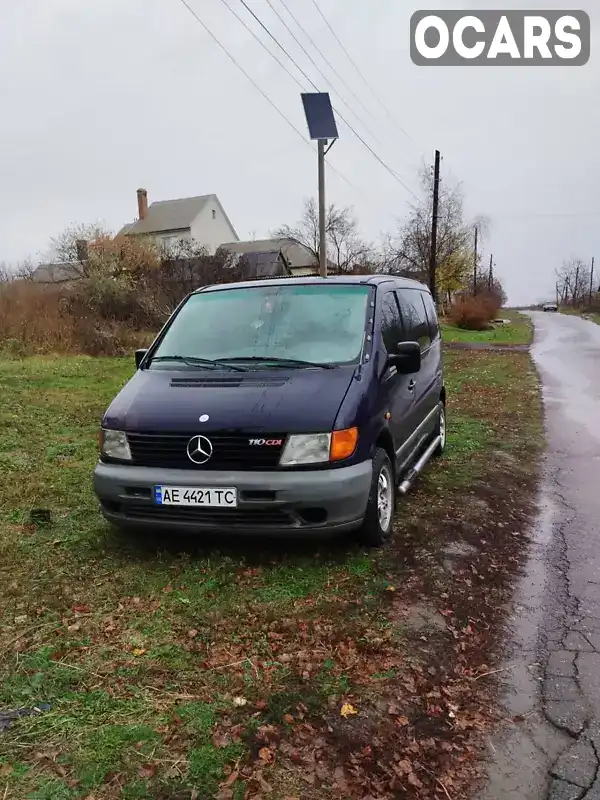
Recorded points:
(340,115)
(310,58)
(356,67)
(263,45)
(325,59)
(291,75)
(257,87)
(242,70)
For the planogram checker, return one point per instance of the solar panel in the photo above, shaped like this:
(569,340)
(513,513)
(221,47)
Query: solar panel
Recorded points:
(319,115)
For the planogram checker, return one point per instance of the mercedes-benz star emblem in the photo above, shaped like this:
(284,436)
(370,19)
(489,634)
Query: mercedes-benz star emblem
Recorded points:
(199,449)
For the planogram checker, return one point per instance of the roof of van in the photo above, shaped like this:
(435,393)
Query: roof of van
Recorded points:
(372,280)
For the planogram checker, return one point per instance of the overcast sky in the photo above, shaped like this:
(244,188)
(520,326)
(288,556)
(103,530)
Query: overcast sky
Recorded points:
(99,98)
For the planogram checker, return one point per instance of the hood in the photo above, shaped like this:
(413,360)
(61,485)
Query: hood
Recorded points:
(276,401)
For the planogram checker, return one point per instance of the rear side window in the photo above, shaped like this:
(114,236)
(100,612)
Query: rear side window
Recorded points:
(434,327)
(391,322)
(416,324)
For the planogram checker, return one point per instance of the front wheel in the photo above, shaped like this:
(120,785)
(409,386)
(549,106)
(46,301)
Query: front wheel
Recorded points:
(378,523)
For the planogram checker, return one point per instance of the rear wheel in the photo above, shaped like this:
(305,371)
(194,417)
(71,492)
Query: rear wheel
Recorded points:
(440,431)
(378,523)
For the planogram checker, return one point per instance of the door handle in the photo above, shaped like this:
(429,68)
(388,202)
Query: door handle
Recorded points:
(411,385)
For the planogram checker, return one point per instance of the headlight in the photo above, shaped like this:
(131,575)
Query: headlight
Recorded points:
(306,448)
(319,448)
(115,445)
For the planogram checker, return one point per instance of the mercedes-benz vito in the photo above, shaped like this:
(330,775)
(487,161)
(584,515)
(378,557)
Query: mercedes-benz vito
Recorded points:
(282,407)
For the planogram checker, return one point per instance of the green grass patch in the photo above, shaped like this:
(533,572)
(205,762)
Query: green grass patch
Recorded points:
(162,658)
(519,332)
(592,316)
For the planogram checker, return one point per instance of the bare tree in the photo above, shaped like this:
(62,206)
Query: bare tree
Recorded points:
(573,281)
(6,273)
(345,248)
(407,253)
(71,246)
(24,270)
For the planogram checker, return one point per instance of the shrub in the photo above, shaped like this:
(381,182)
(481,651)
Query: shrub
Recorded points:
(471,313)
(34,316)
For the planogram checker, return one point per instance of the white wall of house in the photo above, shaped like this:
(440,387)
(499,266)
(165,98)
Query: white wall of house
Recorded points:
(169,239)
(211,228)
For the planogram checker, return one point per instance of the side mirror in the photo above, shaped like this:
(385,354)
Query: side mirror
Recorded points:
(139,357)
(407,358)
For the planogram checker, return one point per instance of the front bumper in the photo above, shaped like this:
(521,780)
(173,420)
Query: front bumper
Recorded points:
(269,503)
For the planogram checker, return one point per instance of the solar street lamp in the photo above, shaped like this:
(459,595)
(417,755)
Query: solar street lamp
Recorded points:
(322,128)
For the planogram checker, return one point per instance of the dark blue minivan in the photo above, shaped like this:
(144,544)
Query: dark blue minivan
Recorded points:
(283,407)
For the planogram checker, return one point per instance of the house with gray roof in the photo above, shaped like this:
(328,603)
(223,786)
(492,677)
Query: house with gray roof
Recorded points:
(200,219)
(63,272)
(299,259)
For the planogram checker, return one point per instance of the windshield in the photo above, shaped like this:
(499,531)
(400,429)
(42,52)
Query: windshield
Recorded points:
(320,324)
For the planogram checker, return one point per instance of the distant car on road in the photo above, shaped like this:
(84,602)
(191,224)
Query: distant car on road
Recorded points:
(550,307)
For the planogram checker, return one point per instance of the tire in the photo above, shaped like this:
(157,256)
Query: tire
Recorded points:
(440,430)
(377,528)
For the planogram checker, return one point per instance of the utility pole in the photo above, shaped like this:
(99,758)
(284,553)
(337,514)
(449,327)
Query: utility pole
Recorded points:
(592,281)
(557,295)
(491,273)
(576,289)
(475,262)
(322,226)
(434,223)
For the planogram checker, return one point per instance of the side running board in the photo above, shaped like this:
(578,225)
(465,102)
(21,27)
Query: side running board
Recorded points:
(414,472)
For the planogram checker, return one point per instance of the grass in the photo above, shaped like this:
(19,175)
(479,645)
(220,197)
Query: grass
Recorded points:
(593,316)
(172,667)
(519,332)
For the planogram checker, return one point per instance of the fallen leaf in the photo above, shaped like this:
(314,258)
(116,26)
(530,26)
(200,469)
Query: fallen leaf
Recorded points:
(403,721)
(289,719)
(414,781)
(5,770)
(139,651)
(220,739)
(75,627)
(390,588)
(81,609)
(231,778)
(239,702)
(404,767)
(348,710)
(266,755)
(266,787)
(147,771)
(192,633)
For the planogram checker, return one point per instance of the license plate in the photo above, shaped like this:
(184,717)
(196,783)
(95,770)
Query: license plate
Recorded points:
(213,497)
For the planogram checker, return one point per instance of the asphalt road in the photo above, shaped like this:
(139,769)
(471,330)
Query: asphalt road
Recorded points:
(552,683)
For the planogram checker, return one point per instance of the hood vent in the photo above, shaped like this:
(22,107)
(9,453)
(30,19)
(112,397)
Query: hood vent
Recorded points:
(227,383)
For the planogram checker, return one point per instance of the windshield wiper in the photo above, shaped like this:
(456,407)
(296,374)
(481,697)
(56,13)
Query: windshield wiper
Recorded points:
(279,362)
(192,361)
